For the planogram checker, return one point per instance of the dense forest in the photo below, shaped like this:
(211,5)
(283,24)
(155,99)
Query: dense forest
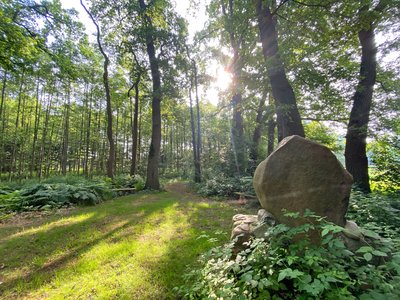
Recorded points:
(172,105)
(132,97)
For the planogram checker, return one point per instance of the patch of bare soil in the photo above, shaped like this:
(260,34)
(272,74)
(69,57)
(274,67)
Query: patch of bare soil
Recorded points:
(177,187)
(182,188)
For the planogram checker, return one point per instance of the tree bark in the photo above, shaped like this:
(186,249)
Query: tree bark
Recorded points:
(282,91)
(111,152)
(152,180)
(198,145)
(237,130)
(256,136)
(197,176)
(2,117)
(134,121)
(357,129)
(64,151)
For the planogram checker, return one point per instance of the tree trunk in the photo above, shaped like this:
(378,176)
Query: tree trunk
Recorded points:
(198,145)
(35,130)
(256,136)
(64,151)
(237,130)
(134,121)
(88,128)
(282,91)
(357,129)
(197,176)
(2,117)
(152,180)
(111,152)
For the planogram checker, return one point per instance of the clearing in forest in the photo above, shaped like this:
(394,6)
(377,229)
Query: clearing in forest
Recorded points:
(132,247)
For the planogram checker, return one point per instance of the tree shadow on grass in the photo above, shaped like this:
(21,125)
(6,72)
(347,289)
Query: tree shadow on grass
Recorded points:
(171,221)
(210,219)
(72,241)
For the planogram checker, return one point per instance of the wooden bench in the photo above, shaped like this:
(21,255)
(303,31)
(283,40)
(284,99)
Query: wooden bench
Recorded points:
(244,196)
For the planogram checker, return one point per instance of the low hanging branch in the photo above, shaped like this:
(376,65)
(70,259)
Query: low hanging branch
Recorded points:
(111,153)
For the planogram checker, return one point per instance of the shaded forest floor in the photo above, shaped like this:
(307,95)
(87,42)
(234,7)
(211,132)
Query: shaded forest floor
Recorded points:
(131,247)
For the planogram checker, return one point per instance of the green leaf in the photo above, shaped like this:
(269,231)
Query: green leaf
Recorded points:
(325,231)
(365,249)
(289,273)
(368,256)
(379,253)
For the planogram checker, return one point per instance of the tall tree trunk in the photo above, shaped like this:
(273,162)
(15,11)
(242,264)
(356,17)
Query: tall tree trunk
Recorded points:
(65,145)
(197,176)
(44,136)
(2,117)
(357,129)
(111,152)
(134,125)
(257,135)
(287,111)
(271,135)
(152,180)
(237,130)
(36,129)
(88,128)
(198,123)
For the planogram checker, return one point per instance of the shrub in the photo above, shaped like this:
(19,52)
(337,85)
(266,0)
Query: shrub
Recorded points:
(276,268)
(385,155)
(227,186)
(42,196)
(378,212)
(128,181)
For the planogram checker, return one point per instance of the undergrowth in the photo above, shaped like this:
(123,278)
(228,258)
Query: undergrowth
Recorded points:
(226,186)
(57,192)
(277,268)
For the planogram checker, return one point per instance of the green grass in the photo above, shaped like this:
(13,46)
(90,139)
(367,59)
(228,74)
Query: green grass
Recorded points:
(133,247)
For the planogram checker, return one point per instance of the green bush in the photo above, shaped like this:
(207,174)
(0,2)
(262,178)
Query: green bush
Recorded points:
(42,196)
(227,186)
(378,212)
(276,268)
(128,181)
(385,155)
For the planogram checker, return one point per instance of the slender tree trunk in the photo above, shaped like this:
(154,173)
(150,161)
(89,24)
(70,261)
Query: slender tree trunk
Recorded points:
(44,137)
(88,128)
(198,123)
(271,135)
(357,129)
(111,152)
(237,130)
(139,151)
(134,121)
(152,180)
(2,117)
(257,135)
(64,151)
(197,176)
(287,111)
(36,129)
(3,93)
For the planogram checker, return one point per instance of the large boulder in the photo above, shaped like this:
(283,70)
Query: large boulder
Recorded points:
(299,175)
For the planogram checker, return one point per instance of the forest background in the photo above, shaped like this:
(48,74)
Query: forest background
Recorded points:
(138,94)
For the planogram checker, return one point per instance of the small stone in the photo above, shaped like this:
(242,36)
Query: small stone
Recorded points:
(265,217)
(351,230)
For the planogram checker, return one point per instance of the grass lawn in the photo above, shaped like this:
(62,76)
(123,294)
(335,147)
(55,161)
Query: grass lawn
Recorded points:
(132,247)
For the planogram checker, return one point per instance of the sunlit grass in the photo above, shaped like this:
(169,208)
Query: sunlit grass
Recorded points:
(133,247)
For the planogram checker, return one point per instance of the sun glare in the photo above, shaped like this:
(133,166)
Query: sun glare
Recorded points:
(224,78)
